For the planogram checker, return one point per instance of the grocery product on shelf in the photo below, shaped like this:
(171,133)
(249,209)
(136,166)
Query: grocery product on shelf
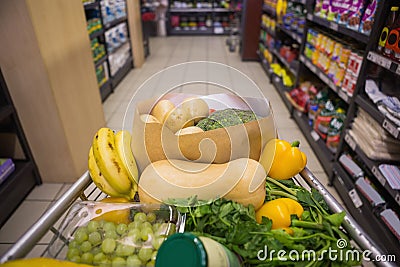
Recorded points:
(98,50)
(94,25)
(112,10)
(116,37)
(368,18)
(387,28)
(389,106)
(372,139)
(102,74)
(7,167)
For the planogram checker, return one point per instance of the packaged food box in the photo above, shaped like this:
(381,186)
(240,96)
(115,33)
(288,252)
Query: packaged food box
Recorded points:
(355,14)
(343,12)
(368,18)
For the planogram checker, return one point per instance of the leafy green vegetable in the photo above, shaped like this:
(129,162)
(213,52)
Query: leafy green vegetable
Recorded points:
(234,226)
(225,118)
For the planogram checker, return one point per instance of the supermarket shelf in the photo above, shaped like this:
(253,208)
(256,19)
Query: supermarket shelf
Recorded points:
(265,65)
(385,62)
(10,189)
(117,48)
(372,110)
(96,34)
(113,23)
(105,90)
(360,37)
(325,79)
(361,209)
(282,89)
(193,10)
(269,10)
(269,31)
(265,45)
(5,111)
(292,34)
(223,10)
(93,5)
(101,61)
(120,74)
(325,156)
(299,1)
(208,31)
(373,166)
(284,62)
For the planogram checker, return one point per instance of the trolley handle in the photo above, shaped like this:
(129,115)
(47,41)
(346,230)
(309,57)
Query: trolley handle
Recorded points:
(33,235)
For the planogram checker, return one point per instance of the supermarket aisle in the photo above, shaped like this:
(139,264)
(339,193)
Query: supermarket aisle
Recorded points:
(164,52)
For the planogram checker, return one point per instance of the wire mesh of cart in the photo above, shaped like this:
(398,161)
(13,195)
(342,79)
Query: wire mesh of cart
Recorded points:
(233,39)
(84,189)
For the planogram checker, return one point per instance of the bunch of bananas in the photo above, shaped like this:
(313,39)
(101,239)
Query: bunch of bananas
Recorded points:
(112,165)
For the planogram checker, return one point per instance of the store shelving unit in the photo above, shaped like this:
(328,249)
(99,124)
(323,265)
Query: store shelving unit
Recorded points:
(110,80)
(374,66)
(213,12)
(23,179)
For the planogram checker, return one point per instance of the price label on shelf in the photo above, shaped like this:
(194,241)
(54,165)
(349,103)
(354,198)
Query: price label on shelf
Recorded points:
(371,56)
(355,198)
(218,30)
(299,113)
(393,130)
(302,59)
(378,175)
(315,135)
(384,62)
(310,16)
(350,141)
(343,95)
(277,79)
(398,69)
(334,26)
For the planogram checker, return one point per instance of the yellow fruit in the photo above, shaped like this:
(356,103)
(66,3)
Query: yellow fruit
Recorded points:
(117,216)
(41,262)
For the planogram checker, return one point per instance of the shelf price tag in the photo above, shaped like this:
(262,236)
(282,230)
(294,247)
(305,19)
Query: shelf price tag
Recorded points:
(315,135)
(378,175)
(384,62)
(398,69)
(350,141)
(355,198)
(371,56)
(299,113)
(334,26)
(390,128)
(310,16)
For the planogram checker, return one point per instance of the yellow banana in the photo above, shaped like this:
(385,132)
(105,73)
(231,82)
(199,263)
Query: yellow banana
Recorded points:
(99,179)
(110,164)
(124,151)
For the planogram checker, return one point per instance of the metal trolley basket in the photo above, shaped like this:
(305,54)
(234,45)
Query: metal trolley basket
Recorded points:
(84,189)
(214,77)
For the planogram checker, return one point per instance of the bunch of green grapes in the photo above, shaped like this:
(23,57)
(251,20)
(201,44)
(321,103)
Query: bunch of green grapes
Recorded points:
(103,243)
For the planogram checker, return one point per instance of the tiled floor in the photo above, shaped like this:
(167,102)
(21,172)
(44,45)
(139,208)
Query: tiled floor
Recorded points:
(164,52)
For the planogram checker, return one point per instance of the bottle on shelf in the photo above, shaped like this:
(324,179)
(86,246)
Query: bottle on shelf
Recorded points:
(386,29)
(392,49)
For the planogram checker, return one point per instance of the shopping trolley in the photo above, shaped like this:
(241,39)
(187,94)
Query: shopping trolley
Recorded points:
(84,189)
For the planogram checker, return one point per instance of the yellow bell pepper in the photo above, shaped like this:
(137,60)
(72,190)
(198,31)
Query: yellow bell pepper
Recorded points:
(282,160)
(279,211)
(41,262)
